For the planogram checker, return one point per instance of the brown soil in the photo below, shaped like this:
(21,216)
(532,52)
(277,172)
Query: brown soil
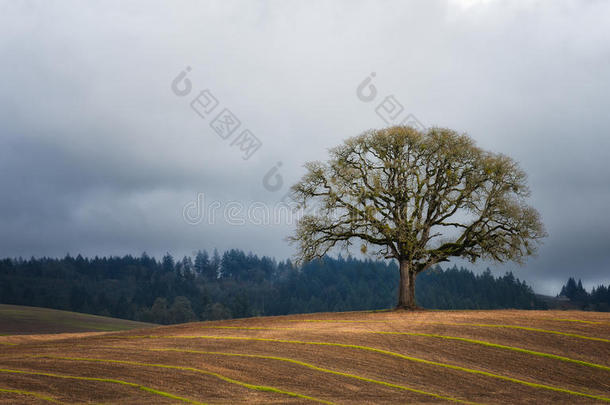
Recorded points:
(274,360)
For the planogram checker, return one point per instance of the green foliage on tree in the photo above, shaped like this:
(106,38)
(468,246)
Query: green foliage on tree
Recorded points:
(420,197)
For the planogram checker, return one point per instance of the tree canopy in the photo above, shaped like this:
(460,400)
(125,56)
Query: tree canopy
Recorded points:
(420,197)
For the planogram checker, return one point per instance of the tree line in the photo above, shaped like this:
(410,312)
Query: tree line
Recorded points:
(597,300)
(235,284)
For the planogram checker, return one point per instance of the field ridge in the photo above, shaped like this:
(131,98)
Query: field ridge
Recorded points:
(475,357)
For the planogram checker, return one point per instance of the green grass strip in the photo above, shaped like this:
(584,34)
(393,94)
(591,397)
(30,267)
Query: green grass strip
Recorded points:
(196,370)
(335,320)
(483,325)
(479,342)
(499,346)
(107,380)
(393,354)
(33,394)
(318,368)
(555,332)
(247,328)
(578,320)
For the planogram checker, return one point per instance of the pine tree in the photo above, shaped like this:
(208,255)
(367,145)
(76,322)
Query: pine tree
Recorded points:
(202,263)
(215,269)
(168,263)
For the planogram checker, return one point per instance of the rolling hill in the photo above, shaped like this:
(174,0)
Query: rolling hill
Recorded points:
(491,357)
(16,319)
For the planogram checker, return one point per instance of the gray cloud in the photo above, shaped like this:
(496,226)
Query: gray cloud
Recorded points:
(98,156)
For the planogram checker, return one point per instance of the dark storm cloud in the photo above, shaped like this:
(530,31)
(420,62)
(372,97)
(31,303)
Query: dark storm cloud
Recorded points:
(98,156)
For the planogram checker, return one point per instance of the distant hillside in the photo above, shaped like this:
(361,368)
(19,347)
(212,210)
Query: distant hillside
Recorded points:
(15,319)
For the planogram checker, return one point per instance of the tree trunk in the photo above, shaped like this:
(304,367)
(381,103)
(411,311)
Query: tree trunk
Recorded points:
(406,288)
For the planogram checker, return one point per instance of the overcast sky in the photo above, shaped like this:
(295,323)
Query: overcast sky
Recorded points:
(100,154)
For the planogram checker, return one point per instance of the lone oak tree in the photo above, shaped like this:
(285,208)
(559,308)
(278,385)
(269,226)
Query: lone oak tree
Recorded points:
(419,197)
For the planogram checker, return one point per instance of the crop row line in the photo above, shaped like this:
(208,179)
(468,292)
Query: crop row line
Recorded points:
(192,369)
(29,393)
(482,325)
(389,353)
(579,321)
(461,339)
(313,367)
(107,380)
(555,332)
